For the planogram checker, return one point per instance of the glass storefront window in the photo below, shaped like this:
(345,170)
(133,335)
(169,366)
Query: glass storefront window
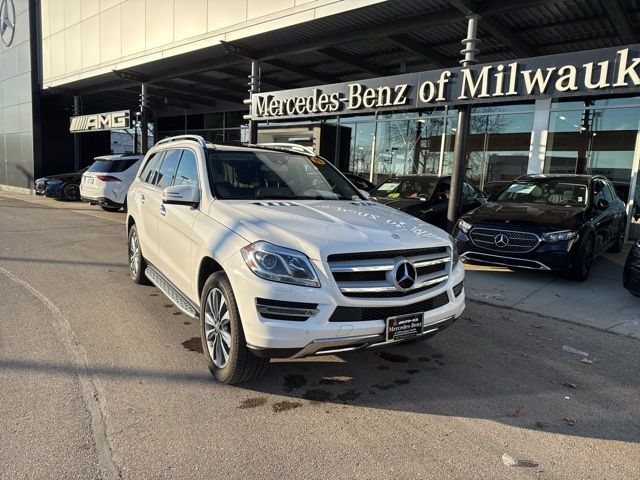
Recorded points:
(595,141)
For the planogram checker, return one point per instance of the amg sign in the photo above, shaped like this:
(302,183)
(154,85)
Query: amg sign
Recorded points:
(608,71)
(100,121)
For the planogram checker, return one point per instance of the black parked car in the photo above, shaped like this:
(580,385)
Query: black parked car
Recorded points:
(361,183)
(631,274)
(65,186)
(426,196)
(546,222)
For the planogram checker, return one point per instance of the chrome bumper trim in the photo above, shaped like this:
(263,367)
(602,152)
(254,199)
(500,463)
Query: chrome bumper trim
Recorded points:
(328,346)
(500,260)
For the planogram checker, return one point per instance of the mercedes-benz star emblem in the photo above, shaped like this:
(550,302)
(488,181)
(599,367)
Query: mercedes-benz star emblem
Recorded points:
(404,275)
(501,240)
(7,22)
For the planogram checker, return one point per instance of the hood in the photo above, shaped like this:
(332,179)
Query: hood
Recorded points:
(411,205)
(62,176)
(322,227)
(536,214)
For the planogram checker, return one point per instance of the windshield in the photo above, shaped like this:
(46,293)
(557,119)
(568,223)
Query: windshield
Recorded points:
(406,188)
(276,176)
(549,192)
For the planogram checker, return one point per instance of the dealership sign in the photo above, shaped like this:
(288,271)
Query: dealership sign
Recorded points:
(100,121)
(597,72)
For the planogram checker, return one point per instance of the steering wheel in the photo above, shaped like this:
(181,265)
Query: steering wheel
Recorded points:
(423,195)
(570,201)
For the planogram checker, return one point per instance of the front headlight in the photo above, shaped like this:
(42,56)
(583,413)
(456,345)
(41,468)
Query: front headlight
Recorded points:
(464,226)
(53,181)
(560,236)
(280,264)
(455,258)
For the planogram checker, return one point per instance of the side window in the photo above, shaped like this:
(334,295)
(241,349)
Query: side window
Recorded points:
(443,191)
(609,193)
(150,167)
(468,192)
(598,191)
(167,170)
(187,173)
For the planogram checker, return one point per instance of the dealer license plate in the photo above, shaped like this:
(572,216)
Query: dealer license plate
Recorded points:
(404,326)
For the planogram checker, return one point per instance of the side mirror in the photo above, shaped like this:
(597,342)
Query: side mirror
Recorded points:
(443,197)
(181,195)
(602,204)
(365,194)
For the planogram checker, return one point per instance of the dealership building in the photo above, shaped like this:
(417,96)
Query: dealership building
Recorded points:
(374,86)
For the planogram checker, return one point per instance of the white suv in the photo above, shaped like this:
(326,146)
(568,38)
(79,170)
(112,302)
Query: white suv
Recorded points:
(278,255)
(107,181)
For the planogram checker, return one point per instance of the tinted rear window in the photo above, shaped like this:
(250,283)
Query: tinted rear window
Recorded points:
(111,166)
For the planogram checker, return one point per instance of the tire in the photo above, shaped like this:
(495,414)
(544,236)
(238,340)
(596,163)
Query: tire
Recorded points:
(619,244)
(137,264)
(220,327)
(70,192)
(110,209)
(580,271)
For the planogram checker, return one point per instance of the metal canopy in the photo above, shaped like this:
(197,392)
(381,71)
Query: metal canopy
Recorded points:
(391,37)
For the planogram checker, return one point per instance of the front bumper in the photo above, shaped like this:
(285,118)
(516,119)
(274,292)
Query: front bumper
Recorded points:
(557,256)
(320,333)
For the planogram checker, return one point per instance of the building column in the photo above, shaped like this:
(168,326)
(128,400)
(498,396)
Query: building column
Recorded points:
(77,145)
(539,136)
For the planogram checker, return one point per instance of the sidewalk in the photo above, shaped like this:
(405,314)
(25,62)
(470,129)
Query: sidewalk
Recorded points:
(599,302)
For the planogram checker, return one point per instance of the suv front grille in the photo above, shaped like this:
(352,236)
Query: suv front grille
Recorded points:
(494,239)
(357,314)
(369,274)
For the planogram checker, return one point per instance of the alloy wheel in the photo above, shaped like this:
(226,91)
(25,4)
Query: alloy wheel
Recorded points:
(588,257)
(134,254)
(217,327)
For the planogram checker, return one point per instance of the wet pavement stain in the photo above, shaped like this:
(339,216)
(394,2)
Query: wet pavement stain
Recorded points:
(168,305)
(317,395)
(439,363)
(177,313)
(424,359)
(437,356)
(253,402)
(348,395)
(401,381)
(285,405)
(392,357)
(383,367)
(413,371)
(154,294)
(186,323)
(193,344)
(291,382)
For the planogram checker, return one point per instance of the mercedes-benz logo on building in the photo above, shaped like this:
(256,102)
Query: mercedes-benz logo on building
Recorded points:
(501,240)
(7,22)
(404,275)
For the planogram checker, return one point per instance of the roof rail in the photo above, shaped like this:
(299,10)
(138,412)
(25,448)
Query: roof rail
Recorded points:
(195,138)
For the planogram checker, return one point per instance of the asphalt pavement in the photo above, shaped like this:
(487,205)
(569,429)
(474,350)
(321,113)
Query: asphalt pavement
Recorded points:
(99,379)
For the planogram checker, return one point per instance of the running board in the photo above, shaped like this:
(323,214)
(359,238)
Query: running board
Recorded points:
(172,293)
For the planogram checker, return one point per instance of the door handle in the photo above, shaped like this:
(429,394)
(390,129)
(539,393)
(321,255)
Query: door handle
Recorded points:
(163,210)
(141,198)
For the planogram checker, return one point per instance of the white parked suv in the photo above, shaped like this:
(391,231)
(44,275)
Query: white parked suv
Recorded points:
(107,181)
(278,255)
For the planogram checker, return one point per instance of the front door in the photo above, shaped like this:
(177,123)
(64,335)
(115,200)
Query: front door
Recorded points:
(175,229)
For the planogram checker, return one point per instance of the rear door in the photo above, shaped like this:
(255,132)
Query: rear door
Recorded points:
(175,228)
(140,199)
(603,217)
